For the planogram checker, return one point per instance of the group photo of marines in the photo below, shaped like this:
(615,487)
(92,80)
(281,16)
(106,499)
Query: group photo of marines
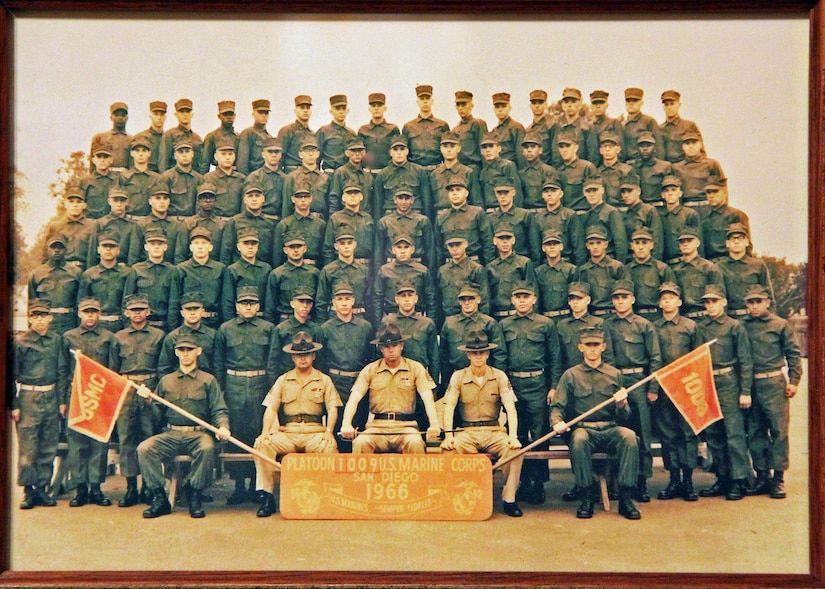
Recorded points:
(407,287)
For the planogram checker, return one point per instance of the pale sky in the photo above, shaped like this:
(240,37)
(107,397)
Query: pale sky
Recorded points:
(744,82)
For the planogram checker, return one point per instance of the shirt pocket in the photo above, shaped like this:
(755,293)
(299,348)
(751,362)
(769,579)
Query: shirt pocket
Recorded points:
(635,348)
(289,394)
(316,395)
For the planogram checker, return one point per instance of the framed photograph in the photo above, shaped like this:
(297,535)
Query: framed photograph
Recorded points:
(750,74)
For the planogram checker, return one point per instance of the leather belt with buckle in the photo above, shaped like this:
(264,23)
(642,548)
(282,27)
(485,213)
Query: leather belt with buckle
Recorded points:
(724,370)
(509,313)
(480,423)
(693,314)
(763,375)
(637,370)
(110,318)
(209,314)
(304,418)
(248,373)
(37,388)
(599,312)
(695,203)
(672,261)
(647,311)
(186,428)
(597,424)
(738,312)
(395,416)
(337,372)
(61,310)
(562,313)
(141,377)
(310,262)
(528,374)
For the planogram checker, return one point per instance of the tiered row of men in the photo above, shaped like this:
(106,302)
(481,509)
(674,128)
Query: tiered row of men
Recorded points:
(525,235)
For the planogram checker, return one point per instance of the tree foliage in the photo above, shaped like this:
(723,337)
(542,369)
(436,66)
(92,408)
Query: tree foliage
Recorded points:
(790,284)
(71,170)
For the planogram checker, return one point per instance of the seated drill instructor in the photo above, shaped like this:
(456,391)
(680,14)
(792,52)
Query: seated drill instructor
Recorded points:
(581,388)
(198,393)
(480,390)
(392,383)
(294,416)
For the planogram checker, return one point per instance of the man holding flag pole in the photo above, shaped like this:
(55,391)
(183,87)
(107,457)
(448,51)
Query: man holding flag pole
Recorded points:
(733,378)
(86,454)
(688,381)
(677,336)
(198,393)
(594,389)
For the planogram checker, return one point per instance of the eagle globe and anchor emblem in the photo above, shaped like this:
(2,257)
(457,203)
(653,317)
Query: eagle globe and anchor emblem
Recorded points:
(467,497)
(306,497)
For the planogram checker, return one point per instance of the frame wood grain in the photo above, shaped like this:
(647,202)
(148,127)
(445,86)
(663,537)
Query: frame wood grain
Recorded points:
(815,12)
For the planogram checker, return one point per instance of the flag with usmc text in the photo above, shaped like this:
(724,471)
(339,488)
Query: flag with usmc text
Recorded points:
(97,396)
(688,381)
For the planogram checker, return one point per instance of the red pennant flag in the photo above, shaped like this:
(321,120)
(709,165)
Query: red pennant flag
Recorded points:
(97,396)
(688,381)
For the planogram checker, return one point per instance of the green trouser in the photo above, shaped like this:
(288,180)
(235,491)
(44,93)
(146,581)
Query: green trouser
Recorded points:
(133,426)
(86,458)
(243,396)
(726,438)
(767,424)
(617,440)
(533,421)
(154,451)
(37,437)
(640,422)
(679,443)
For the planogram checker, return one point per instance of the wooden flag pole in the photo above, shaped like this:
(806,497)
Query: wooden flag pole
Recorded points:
(207,425)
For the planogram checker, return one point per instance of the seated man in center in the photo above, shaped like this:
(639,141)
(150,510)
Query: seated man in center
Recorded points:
(294,416)
(392,383)
(480,391)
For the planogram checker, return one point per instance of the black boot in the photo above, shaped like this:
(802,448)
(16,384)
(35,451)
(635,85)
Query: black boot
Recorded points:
(43,498)
(626,506)
(526,490)
(81,497)
(145,494)
(511,509)
(717,489)
(688,494)
(195,507)
(762,485)
(29,498)
(736,490)
(268,505)
(585,509)
(572,494)
(160,505)
(538,496)
(673,489)
(238,496)
(641,490)
(132,497)
(97,497)
(778,485)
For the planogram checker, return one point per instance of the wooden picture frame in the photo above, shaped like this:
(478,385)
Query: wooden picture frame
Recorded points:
(813,10)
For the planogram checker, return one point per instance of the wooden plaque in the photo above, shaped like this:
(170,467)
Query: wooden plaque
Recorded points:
(387,486)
